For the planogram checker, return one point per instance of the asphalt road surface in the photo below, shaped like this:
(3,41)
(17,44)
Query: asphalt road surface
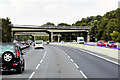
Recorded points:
(64,62)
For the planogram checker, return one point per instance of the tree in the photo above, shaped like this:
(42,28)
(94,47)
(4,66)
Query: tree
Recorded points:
(48,24)
(115,36)
(63,24)
(6,30)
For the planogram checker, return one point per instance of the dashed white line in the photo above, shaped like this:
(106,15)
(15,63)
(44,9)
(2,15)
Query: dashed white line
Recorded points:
(37,66)
(71,60)
(32,75)
(68,56)
(76,65)
(83,74)
(41,61)
(101,57)
(43,57)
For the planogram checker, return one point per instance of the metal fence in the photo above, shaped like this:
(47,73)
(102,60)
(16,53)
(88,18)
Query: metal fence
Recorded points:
(53,27)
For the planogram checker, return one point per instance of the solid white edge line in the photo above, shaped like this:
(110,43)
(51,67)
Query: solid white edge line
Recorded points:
(101,57)
(76,65)
(83,74)
(37,66)
(32,75)
(71,60)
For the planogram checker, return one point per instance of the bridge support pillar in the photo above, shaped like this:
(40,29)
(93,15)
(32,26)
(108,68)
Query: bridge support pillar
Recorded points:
(58,38)
(51,36)
(88,37)
(13,36)
(33,38)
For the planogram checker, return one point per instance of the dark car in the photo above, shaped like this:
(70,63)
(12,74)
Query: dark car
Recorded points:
(111,44)
(12,58)
(101,43)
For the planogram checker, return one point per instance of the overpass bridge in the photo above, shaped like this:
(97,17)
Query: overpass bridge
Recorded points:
(50,30)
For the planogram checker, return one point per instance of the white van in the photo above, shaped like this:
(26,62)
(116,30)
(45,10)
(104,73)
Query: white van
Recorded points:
(39,44)
(80,40)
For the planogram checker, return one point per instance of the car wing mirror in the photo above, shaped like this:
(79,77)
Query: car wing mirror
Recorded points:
(24,53)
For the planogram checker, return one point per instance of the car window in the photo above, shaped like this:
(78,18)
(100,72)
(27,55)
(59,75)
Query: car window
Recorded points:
(39,42)
(4,48)
(112,42)
(101,41)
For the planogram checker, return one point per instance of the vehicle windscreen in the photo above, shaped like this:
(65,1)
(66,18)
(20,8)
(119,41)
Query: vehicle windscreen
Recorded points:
(8,47)
(112,42)
(81,40)
(39,42)
(101,41)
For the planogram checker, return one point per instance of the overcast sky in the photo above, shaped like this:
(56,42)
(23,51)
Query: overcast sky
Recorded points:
(38,12)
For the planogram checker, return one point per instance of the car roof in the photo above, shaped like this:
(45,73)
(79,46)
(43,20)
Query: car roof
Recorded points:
(111,41)
(39,40)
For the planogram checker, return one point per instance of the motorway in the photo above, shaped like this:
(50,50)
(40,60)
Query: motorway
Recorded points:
(64,62)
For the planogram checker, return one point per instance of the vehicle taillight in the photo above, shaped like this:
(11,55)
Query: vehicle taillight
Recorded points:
(17,53)
(14,64)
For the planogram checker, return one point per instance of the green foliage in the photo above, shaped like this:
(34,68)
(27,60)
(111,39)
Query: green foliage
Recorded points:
(102,26)
(63,24)
(48,24)
(6,30)
(115,35)
(44,38)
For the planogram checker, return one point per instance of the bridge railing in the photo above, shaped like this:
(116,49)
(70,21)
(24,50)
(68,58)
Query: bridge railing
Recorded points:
(66,27)
(53,27)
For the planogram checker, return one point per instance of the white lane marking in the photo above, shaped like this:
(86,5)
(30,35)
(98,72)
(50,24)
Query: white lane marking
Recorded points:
(43,57)
(101,57)
(68,56)
(83,74)
(32,75)
(71,60)
(76,65)
(37,66)
(41,61)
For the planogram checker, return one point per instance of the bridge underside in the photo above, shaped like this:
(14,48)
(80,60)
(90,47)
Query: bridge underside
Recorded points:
(49,32)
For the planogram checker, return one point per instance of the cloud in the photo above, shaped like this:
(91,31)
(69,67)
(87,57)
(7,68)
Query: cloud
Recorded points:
(38,12)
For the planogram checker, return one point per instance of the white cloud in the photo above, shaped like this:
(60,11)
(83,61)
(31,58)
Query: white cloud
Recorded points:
(38,12)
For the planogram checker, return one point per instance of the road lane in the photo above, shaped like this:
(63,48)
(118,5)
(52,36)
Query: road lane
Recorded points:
(52,63)
(32,58)
(56,65)
(92,66)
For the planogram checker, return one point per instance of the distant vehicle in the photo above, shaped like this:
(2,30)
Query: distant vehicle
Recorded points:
(29,42)
(15,41)
(12,58)
(62,41)
(74,41)
(101,43)
(80,40)
(22,42)
(47,42)
(39,44)
(111,44)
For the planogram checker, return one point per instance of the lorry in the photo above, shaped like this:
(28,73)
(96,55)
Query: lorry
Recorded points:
(80,40)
